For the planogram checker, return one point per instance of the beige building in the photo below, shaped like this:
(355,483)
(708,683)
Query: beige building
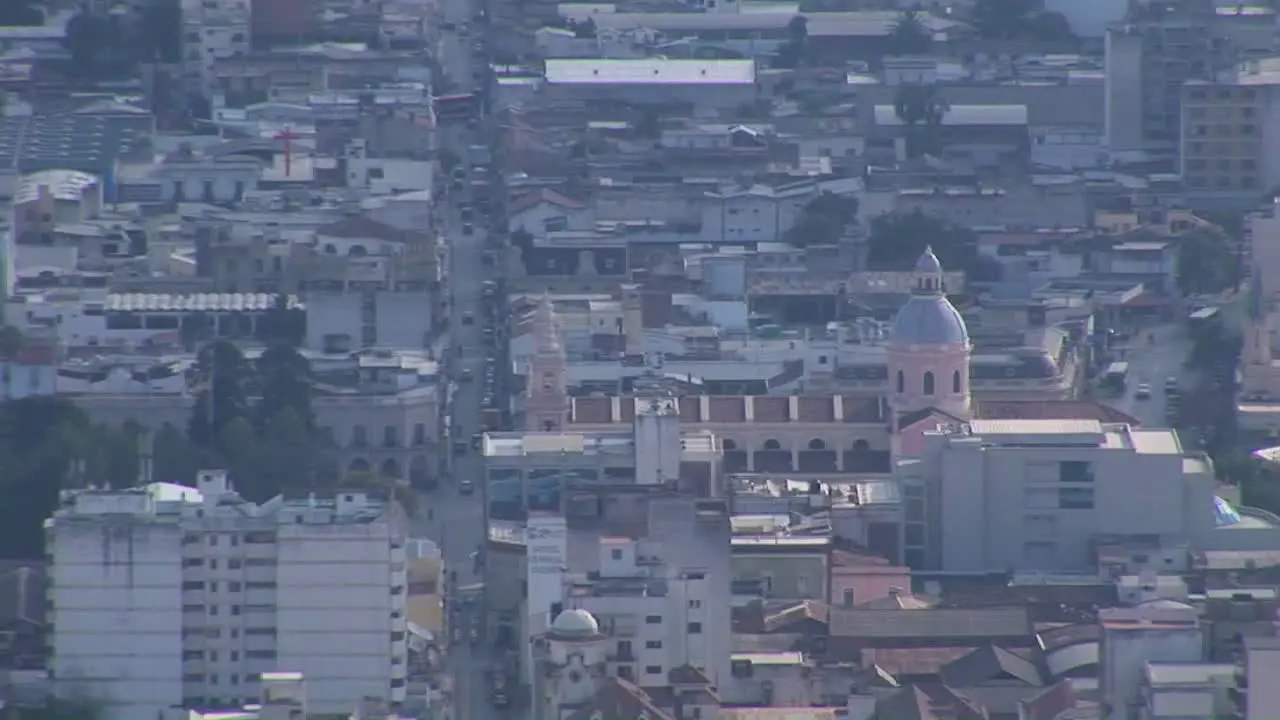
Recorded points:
(1224,138)
(379,411)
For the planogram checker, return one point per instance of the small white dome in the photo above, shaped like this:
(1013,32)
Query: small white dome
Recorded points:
(575,623)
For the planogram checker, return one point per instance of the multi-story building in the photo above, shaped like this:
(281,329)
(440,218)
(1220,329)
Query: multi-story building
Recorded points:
(1231,131)
(211,31)
(164,596)
(379,411)
(1034,494)
(1163,44)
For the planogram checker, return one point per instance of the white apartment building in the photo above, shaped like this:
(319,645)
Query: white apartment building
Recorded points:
(1034,494)
(212,30)
(167,596)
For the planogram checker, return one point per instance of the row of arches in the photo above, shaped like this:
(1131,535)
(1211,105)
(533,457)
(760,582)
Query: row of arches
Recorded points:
(390,468)
(814,444)
(928,384)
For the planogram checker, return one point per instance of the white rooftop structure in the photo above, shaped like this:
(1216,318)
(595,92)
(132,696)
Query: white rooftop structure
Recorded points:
(649,71)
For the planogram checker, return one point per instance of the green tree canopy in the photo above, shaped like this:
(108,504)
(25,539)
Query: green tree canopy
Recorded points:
(285,379)
(898,239)
(910,36)
(823,220)
(221,374)
(1208,261)
(40,441)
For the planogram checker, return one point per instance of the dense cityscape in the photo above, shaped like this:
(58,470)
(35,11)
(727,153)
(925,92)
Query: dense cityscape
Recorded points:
(639,360)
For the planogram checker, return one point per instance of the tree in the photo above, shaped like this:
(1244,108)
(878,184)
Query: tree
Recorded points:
(283,324)
(39,442)
(158,35)
(823,220)
(243,456)
(791,53)
(1001,19)
(910,36)
(11,343)
(921,111)
(285,378)
(1208,261)
(92,40)
(288,457)
(897,239)
(173,457)
(221,374)
(20,13)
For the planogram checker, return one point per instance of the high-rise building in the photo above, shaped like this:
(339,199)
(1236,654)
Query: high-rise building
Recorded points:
(168,596)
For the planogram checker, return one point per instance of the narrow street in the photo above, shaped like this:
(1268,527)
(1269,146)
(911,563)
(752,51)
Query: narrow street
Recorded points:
(454,519)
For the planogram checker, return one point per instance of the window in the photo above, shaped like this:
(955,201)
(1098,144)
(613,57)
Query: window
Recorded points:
(695,604)
(1074,471)
(848,597)
(419,434)
(1075,499)
(928,383)
(193,585)
(616,554)
(652,619)
(695,628)
(390,438)
(653,644)
(955,381)
(624,672)
(359,436)
(902,382)
(653,669)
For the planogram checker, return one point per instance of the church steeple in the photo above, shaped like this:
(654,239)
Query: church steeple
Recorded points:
(546,406)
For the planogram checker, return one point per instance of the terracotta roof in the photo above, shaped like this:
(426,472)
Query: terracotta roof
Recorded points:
(937,624)
(618,699)
(534,198)
(928,701)
(1052,410)
(909,662)
(991,662)
(1051,703)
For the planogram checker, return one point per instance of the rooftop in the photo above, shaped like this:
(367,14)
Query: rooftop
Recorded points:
(649,71)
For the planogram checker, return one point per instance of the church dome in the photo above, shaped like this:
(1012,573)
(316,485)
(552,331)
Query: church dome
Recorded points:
(575,625)
(929,318)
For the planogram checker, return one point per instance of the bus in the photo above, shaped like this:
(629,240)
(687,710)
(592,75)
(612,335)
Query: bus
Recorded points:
(454,108)
(1115,376)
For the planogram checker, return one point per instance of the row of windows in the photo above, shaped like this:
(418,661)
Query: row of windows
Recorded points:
(390,435)
(928,383)
(771,444)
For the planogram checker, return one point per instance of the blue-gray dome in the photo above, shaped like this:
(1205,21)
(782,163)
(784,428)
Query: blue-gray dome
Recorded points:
(930,320)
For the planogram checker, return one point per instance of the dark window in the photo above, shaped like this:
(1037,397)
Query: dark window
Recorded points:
(955,381)
(653,644)
(695,628)
(902,382)
(1075,499)
(653,619)
(928,383)
(1075,471)
(653,669)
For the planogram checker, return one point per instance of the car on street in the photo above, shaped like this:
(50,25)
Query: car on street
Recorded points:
(467,376)
(466,487)
(1142,392)
(468,318)
(468,229)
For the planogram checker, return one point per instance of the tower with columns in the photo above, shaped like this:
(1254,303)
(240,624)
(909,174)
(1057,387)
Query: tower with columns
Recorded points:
(929,349)
(546,400)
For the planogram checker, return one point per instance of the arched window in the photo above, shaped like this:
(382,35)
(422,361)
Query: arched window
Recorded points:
(816,444)
(729,444)
(955,382)
(928,383)
(772,445)
(902,382)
